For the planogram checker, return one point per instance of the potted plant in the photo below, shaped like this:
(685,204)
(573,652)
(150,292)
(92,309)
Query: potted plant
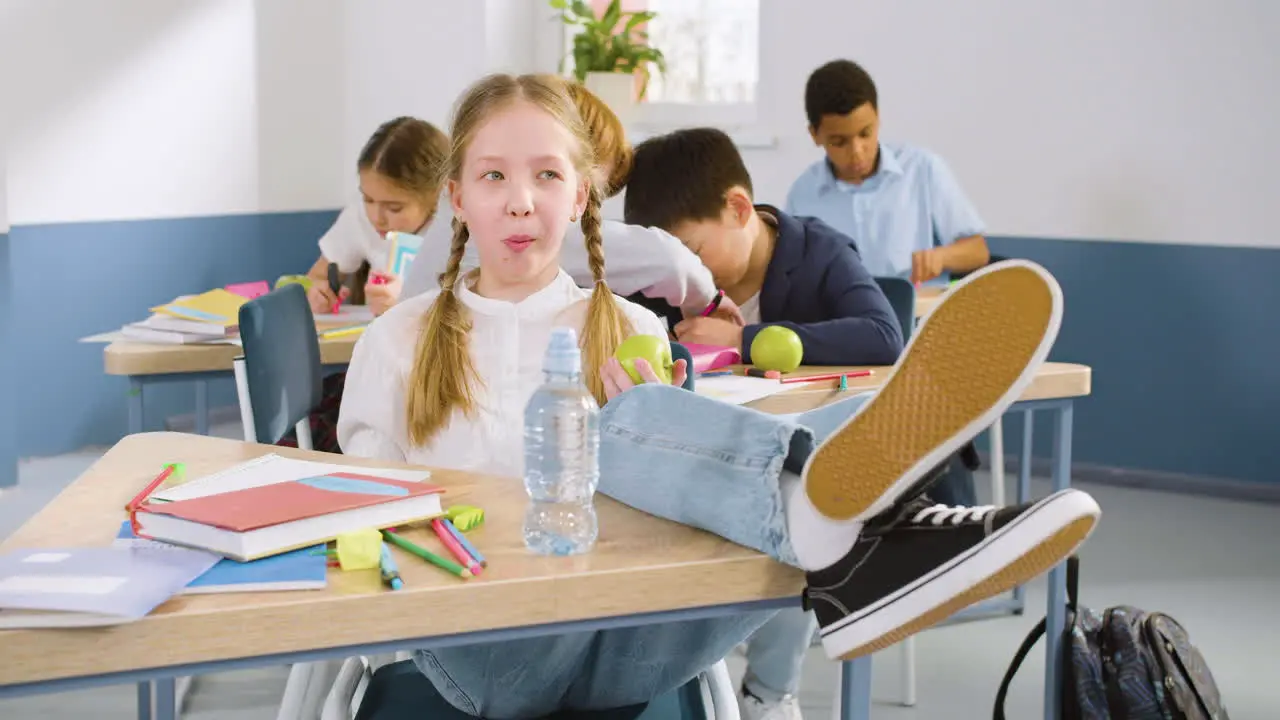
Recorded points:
(611,56)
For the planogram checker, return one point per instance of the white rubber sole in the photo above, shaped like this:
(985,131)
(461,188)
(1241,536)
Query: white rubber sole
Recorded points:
(1039,539)
(1003,316)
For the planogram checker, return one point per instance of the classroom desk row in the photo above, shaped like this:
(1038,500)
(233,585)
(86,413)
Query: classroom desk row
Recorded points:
(644,570)
(148,365)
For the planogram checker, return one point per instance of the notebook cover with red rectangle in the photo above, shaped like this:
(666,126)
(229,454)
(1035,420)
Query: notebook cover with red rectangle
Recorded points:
(279,503)
(712,357)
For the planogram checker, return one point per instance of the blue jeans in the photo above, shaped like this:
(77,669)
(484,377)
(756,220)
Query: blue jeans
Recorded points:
(683,457)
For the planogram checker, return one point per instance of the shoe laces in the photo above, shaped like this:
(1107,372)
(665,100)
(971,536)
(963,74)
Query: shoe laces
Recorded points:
(956,515)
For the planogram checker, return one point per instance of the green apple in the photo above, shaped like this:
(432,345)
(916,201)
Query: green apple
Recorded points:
(653,349)
(777,348)
(302,280)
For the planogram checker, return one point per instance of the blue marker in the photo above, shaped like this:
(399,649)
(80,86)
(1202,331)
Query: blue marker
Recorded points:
(387,565)
(464,542)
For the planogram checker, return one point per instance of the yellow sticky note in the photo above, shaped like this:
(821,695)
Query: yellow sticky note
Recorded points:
(218,307)
(359,550)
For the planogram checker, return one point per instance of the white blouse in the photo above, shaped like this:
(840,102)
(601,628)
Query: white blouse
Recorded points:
(507,344)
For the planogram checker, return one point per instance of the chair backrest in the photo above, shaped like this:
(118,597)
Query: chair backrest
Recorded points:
(902,298)
(281,360)
(679,351)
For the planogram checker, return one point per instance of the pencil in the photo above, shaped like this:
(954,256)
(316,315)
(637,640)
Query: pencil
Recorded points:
(455,548)
(425,554)
(466,544)
(141,497)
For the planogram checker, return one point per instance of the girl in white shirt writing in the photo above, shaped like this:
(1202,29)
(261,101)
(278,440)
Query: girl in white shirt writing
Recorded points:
(442,379)
(399,171)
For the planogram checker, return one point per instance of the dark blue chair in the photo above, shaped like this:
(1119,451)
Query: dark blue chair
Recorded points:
(902,298)
(678,352)
(278,377)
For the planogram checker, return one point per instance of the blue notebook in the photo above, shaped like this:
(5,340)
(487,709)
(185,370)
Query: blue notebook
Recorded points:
(95,586)
(303,569)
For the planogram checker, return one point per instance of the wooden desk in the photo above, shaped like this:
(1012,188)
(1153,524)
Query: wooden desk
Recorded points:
(1053,381)
(645,570)
(927,298)
(145,365)
(642,564)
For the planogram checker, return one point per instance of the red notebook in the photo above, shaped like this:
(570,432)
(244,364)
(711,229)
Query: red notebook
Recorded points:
(712,357)
(268,519)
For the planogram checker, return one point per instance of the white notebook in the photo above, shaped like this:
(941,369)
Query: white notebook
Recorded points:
(270,469)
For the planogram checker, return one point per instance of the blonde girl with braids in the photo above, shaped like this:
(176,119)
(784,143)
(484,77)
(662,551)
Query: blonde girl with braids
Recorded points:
(646,264)
(442,379)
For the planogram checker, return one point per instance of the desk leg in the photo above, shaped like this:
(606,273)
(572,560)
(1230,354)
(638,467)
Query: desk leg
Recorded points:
(166,699)
(1024,483)
(202,407)
(1056,615)
(144,700)
(855,689)
(135,405)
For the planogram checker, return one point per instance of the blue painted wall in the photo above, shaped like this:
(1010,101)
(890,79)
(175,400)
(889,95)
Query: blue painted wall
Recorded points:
(1182,339)
(8,384)
(78,279)
(1184,347)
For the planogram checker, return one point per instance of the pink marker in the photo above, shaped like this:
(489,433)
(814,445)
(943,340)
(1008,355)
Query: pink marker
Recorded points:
(455,548)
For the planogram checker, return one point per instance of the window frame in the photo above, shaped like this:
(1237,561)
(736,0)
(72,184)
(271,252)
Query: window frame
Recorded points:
(739,120)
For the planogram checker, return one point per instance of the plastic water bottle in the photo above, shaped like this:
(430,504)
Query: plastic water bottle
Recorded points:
(561,454)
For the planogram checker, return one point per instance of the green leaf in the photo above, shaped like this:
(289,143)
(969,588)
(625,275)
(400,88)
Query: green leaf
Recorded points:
(638,18)
(609,20)
(558,4)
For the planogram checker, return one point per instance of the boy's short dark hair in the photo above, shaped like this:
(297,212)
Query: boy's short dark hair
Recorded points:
(683,176)
(837,88)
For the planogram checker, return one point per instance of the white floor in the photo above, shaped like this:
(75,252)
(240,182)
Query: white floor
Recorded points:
(1212,564)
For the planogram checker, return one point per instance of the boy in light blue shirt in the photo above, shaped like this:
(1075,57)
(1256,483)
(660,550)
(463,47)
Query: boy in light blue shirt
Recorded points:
(900,203)
(906,213)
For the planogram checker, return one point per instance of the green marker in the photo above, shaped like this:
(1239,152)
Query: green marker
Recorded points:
(425,554)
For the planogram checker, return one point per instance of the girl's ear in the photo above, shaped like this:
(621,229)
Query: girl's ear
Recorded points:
(580,202)
(455,198)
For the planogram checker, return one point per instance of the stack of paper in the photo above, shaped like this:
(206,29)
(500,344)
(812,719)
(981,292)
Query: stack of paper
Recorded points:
(210,317)
(86,587)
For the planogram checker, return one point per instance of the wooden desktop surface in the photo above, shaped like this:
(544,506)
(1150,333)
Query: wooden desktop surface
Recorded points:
(642,564)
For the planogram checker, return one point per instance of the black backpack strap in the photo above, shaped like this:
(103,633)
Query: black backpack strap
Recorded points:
(1073,596)
(1032,638)
(1073,583)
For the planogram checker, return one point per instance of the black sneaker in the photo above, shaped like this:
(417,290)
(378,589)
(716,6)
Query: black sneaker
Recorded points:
(919,563)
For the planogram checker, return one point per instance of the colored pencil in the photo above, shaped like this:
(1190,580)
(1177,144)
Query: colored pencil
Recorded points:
(454,546)
(830,376)
(141,497)
(425,554)
(465,542)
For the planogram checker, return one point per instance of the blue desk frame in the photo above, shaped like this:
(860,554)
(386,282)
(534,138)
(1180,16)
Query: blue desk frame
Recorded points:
(855,675)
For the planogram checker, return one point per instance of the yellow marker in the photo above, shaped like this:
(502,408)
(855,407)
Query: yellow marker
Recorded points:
(359,550)
(343,332)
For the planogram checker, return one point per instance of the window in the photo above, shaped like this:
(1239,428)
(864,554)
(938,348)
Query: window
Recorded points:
(712,56)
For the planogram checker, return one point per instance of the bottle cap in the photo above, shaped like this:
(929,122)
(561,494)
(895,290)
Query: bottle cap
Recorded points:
(563,355)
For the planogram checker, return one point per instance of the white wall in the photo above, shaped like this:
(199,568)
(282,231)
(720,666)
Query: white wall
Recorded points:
(1149,120)
(436,50)
(151,108)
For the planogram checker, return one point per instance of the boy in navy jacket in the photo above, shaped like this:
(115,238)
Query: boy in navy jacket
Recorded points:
(780,270)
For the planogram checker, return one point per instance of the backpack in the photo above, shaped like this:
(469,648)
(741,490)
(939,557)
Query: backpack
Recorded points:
(1124,663)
